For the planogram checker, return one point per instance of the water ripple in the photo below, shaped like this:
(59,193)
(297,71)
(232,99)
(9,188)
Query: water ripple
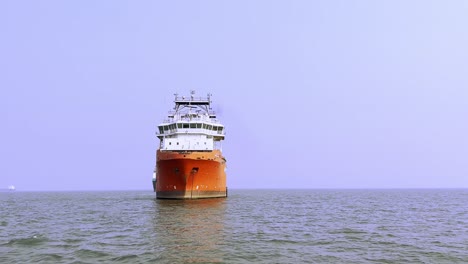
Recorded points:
(261,226)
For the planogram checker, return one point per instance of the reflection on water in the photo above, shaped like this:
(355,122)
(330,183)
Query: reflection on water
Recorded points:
(189,231)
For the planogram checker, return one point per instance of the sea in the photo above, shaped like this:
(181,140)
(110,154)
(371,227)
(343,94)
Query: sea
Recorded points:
(250,226)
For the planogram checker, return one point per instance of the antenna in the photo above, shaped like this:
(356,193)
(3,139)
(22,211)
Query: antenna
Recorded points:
(209,100)
(175,95)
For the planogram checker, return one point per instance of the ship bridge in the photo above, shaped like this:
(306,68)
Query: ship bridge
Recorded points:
(191,126)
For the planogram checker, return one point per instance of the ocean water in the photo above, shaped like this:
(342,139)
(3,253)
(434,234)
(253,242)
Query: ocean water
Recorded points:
(250,226)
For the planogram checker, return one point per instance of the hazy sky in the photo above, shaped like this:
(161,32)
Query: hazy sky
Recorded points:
(314,94)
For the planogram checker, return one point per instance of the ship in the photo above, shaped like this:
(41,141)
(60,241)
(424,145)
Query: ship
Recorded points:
(189,160)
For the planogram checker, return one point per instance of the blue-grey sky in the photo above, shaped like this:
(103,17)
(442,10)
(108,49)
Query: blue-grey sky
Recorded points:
(314,94)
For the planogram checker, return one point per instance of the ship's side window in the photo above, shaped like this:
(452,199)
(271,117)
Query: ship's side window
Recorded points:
(209,127)
(177,143)
(186,125)
(193,125)
(179,125)
(170,143)
(204,126)
(166,128)
(215,128)
(198,125)
(161,130)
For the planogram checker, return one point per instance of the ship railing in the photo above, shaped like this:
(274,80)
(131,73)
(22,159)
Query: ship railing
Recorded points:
(192,131)
(192,99)
(179,115)
(192,120)
(197,112)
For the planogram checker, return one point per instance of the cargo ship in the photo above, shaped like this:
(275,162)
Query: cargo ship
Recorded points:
(189,161)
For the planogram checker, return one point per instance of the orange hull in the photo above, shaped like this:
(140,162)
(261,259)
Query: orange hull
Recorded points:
(190,175)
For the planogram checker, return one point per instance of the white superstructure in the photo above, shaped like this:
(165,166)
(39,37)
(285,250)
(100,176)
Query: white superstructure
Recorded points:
(192,126)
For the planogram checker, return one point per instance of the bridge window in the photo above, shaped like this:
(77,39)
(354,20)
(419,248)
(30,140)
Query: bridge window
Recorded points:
(209,127)
(204,126)
(161,130)
(186,125)
(179,125)
(166,128)
(198,125)
(193,125)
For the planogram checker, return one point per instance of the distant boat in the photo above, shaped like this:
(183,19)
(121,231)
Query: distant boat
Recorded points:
(11,188)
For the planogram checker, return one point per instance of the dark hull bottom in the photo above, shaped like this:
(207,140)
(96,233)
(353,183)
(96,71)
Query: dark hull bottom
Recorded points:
(190,195)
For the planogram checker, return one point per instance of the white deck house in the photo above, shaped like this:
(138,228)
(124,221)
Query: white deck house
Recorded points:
(192,126)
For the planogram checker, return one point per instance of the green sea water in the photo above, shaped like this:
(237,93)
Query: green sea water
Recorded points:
(250,226)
